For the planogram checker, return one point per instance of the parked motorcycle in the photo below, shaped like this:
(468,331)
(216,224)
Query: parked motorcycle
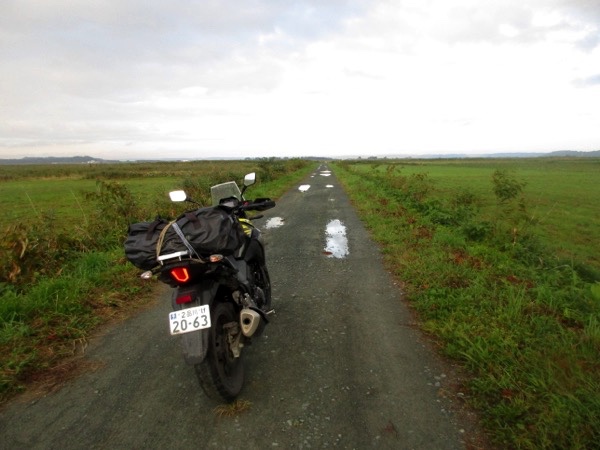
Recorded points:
(214,259)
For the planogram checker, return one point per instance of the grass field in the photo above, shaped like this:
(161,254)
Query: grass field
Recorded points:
(499,258)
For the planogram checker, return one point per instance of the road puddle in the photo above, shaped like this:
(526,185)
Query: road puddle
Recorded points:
(337,242)
(304,188)
(274,222)
(329,186)
(325,173)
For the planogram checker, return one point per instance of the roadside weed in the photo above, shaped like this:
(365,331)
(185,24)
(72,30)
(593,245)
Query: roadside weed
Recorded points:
(233,409)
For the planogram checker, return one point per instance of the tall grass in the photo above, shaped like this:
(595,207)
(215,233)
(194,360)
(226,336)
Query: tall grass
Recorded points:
(488,285)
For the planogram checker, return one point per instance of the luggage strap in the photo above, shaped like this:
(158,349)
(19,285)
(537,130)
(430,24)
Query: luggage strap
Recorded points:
(187,244)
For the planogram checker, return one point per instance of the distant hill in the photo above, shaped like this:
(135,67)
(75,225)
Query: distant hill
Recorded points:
(571,153)
(93,160)
(556,154)
(56,160)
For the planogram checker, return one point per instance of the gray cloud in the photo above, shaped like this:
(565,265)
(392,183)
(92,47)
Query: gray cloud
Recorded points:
(121,35)
(483,22)
(592,81)
(89,62)
(75,72)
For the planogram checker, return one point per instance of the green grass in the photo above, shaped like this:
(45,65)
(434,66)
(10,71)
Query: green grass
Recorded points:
(513,298)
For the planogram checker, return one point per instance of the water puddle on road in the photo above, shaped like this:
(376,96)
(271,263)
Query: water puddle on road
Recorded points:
(304,188)
(274,222)
(329,186)
(337,242)
(325,173)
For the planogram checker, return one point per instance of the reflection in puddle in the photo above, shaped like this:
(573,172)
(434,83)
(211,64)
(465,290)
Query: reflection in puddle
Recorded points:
(329,186)
(325,174)
(304,188)
(337,242)
(274,222)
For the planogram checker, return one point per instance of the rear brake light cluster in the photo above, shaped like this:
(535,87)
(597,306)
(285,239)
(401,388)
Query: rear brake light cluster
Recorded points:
(180,274)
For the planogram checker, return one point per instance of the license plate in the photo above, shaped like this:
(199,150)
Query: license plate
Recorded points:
(188,320)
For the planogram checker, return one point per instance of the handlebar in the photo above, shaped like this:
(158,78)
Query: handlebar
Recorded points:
(260,204)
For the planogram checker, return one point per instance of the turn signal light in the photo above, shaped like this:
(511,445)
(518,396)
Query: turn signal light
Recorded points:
(180,274)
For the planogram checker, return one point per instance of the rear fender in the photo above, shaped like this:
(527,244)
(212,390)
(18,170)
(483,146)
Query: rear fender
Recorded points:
(195,344)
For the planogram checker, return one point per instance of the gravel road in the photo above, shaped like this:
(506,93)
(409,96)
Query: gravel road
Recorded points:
(340,365)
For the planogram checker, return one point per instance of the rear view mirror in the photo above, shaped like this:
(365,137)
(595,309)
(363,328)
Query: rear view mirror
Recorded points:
(178,196)
(250,179)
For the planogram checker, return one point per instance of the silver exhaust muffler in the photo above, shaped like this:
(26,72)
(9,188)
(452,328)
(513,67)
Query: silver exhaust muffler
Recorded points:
(250,321)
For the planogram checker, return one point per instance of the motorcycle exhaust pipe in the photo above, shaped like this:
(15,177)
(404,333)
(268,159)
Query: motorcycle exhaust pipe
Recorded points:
(250,321)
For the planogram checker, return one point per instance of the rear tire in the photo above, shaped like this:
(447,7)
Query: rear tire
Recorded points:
(221,375)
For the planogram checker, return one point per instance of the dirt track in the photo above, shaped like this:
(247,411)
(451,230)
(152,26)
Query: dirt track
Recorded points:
(341,364)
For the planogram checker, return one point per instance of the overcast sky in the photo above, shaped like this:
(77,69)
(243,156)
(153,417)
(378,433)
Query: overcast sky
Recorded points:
(138,79)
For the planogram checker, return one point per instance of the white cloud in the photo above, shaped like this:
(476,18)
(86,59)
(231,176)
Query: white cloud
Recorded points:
(129,79)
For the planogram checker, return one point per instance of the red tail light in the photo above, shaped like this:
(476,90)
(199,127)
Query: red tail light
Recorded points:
(185,298)
(180,274)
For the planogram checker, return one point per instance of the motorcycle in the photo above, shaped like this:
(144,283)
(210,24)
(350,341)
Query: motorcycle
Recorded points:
(222,292)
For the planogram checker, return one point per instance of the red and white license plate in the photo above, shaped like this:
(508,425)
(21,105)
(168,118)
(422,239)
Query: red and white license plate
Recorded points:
(190,319)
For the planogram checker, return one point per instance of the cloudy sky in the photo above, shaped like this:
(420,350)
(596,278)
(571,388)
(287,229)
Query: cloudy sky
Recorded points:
(137,79)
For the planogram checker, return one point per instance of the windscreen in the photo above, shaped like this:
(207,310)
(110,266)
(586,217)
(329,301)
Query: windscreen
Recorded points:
(224,190)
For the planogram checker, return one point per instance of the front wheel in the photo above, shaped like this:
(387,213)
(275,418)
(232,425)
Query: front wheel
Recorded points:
(221,375)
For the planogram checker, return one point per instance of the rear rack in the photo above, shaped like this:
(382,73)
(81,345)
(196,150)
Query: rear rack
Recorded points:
(177,255)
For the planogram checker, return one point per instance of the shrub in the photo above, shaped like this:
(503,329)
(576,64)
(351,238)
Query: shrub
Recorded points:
(34,249)
(506,186)
(115,209)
